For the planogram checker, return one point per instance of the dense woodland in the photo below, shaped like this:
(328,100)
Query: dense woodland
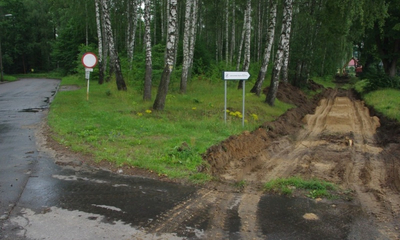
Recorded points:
(145,43)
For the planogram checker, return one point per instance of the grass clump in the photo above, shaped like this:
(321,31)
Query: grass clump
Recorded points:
(385,101)
(119,127)
(314,188)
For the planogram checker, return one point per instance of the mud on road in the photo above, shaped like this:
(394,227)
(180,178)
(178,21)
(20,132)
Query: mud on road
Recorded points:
(333,138)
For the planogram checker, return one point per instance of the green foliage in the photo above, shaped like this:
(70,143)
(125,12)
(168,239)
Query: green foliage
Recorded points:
(121,128)
(66,48)
(314,187)
(326,81)
(376,79)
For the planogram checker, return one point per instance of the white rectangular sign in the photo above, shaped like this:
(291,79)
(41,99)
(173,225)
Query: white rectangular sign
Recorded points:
(236,75)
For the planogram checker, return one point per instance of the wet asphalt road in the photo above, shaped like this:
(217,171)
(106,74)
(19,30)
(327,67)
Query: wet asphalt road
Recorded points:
(41,200)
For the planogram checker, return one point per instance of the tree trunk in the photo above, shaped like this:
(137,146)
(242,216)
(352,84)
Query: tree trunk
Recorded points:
(149,63)
(227,32)
(241,44)
(100,43)
(233,39)
(267,52)
(193,34)
(283,44)
(186,35)
(159,103)
(132,34)
(247,44)
(113,52)
(285,67)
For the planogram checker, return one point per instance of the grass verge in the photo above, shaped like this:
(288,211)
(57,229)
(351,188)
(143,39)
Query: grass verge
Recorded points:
(314,188)
(385,101)
(119,127)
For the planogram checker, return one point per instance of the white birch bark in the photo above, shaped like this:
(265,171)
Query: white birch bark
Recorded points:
(136,4)
(285,66)
(241,43)
(247,44)
(283,44)
(193,33)
(233,39)
(267,52)
(159,103)
(100,42)
(186,36)
(113,53)
(227,31)
(149,63)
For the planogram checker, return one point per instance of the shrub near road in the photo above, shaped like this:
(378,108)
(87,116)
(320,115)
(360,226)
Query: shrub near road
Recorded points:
(121,128)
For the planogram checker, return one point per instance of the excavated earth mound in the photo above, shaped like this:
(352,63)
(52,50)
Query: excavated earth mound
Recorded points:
(332,137)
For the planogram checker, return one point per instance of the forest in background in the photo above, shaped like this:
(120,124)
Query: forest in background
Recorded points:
(143,42)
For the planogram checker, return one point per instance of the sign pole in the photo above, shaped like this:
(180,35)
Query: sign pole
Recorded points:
(235,75)
(89,60)
(87,90)
(225,100)
(244,84)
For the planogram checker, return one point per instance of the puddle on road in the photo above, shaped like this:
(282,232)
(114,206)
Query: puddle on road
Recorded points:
(137,202)
(302,218)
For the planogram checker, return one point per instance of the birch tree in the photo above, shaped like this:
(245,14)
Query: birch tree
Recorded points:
(286,55)
(233,40)
(283,46)
(113,52)
(267,52)
(159,103)
(247,44)
(132,33)
(193,32)
(227,32)
(100,42)
(186,36)
(149,64)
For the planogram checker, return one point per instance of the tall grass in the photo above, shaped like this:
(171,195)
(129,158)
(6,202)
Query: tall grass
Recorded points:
(385,101)
(118,126)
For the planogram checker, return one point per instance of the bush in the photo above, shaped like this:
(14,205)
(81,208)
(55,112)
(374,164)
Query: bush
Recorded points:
(377,79)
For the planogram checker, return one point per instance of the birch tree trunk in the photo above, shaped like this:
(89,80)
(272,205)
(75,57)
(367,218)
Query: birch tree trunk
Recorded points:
(241,44)
(186,35)
(247,44)
(132,34)
(100,43)
(267,52)
(159,103)
(283,44)
(227,32)
(285,67)
(113,52)
(149,63)
(233,40)
(193,34)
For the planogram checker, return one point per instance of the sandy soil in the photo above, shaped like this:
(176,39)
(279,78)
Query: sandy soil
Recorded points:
(339,141)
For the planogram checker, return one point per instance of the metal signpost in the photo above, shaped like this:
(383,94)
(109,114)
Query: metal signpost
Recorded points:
(89,60)
(235,76)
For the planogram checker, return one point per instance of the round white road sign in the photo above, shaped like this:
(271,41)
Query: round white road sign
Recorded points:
(89,60)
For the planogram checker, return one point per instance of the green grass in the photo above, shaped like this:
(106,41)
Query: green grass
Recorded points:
(314,188)
(327,81)
(9,78)
(118,126)
(385,101)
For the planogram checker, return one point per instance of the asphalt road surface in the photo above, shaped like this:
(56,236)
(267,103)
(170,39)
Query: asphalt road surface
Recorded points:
(42,200)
